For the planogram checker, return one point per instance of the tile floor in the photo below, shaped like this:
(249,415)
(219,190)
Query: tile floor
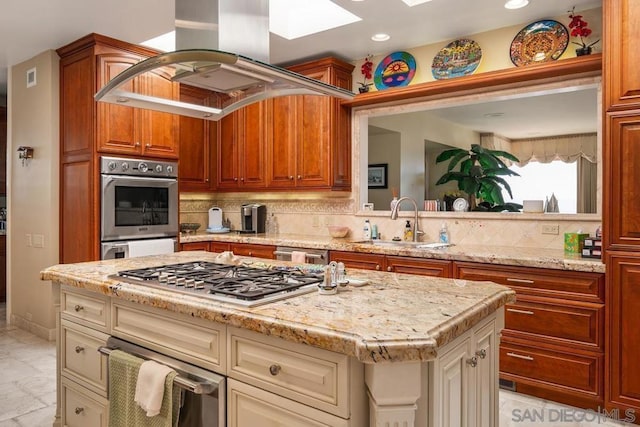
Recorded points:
(28,389)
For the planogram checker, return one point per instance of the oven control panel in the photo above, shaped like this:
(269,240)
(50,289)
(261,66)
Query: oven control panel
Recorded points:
(138,167)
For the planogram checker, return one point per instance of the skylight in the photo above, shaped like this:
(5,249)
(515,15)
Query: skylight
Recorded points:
(412,3)
(293,19)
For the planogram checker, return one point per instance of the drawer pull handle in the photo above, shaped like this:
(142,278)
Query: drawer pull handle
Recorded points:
(481,353)
(274,369)
(509,279)
(519,356)
(78,307)
(377,266)
(515,310)
(79,410)
(79,349)
(473,362)
(389,268)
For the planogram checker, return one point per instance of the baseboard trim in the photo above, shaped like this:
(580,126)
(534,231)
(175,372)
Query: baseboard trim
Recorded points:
(34,328)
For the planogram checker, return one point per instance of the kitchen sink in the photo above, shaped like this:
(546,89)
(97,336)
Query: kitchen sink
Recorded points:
(403,244)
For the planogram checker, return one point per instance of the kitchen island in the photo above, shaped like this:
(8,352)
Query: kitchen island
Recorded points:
(419,351)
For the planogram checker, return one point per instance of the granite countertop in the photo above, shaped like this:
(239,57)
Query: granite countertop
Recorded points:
(394,318)
(504,255)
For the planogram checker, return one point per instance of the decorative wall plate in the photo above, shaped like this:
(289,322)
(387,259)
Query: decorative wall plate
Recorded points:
(540,41)
(458,58)
(395,70)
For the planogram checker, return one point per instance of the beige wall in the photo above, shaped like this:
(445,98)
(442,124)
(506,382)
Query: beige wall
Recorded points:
(385,148)
(33,193)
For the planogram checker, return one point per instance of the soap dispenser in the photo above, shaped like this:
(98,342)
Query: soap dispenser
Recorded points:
(366,231)
(408,231)
(444,234)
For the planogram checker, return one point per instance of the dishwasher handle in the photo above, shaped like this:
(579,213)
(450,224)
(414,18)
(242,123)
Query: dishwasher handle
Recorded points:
(308,255)
(196,387)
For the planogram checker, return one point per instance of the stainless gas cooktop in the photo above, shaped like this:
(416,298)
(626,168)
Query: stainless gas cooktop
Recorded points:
(237,284)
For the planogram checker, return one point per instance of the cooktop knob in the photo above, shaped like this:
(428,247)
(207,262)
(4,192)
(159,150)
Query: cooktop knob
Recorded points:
(159,168)
(169,169)
(125,166)
(143,167)
(112,165)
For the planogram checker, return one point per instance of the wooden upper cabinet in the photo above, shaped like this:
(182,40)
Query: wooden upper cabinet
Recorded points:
(621,55)
(309,136)
(132,131)
(198,137)
(242,148)
(622,201)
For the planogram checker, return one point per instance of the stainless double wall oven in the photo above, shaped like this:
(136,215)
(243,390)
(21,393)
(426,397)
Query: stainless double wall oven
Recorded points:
(139,202)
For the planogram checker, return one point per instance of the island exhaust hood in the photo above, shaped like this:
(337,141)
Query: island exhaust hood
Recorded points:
(236,80)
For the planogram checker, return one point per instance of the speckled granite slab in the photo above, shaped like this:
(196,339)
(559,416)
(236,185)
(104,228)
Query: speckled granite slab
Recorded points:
(396,317)
(504,255)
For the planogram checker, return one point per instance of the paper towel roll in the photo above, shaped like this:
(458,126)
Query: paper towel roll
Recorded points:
(151,247)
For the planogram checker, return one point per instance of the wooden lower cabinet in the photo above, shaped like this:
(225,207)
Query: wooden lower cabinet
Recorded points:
(553,342)
(195,246)
(241,249)
(395,264)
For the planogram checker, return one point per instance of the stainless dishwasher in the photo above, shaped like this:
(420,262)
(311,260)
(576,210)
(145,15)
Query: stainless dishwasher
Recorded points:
(312,256)
(203,401)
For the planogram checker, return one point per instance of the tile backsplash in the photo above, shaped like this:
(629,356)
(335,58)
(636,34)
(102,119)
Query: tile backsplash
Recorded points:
(311,217)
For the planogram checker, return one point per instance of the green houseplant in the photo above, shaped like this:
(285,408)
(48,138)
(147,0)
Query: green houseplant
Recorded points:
(480,176)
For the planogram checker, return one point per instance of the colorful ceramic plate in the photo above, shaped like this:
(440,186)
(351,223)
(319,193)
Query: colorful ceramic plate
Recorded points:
(395,70)
(458,58)
(540,41)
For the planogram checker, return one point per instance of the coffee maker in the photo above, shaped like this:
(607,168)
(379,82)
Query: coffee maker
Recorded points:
(253,217)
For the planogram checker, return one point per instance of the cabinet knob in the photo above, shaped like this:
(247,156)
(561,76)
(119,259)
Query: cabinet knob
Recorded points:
(78,307)
(250,253)
(299,176)
(291,177)
(473,362)
(274,369)
(79,349)
(206,180)
(147,145)
(235,179)
(79,410)
(378,267)
(242,179)
(481,353)
(137,144)
(389,268)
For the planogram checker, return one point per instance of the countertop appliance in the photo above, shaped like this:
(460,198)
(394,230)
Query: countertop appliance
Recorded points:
(237,284)
(202,393)
(253,218)
(312,256)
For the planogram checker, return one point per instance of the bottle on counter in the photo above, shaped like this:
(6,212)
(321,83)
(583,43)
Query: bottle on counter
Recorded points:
(374,231)
(366,231)
(444,233)
(408,232)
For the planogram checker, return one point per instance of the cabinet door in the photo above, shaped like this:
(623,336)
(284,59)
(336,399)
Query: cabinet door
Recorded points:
(254,145)
(623,178)
(198,139)
(281,144)
(229,151)
(160,130)
(485,405)
(452,386)
(219,247)
(623,293)
(81,408)
(419,266)
(117,125)
(358,260)
(621,56)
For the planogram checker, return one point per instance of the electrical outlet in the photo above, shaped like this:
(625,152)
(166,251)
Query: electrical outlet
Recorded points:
(315,222)
(550,229)
(38,241)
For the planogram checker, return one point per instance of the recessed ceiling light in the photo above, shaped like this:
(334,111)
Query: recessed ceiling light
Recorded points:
(516,4)
(380,37)
(412,3)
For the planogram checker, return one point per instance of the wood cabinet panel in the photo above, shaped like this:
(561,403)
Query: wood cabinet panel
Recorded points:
(78,216)
(621,29)
(160,130)
(418,266)
(258,251)
(254,146)
(228,151)
(281,155)
(623,320)
(624,175)
(197,142)
(358,260)
(573,285)
(194,246)
(219,247)
(77,106)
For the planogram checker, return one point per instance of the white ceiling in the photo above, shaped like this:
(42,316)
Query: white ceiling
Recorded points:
(29,27)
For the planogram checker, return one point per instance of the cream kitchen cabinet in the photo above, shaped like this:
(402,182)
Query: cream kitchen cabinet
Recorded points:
(463,378)
(82,408)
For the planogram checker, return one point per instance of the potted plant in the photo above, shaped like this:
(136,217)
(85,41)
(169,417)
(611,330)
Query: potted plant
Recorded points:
(480,176)
(367,71)
(580,28)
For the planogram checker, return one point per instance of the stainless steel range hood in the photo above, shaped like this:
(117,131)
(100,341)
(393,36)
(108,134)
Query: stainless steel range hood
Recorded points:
(237,80)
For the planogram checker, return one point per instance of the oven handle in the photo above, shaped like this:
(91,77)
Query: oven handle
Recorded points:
(195,387)
(308,255)
(109,178)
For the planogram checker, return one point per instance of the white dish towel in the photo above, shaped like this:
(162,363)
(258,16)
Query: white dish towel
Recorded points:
(299,256)
(150,386)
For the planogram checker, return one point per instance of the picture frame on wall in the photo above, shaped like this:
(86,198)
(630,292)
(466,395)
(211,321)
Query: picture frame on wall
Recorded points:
(377,175)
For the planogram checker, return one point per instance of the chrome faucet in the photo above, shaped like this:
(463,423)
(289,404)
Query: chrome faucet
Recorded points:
(394,215)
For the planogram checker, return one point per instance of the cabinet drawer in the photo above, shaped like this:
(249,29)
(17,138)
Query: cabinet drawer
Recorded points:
(79,356)
(358,260)
(92,309)
(418,266)
(258,251)
(199,342)
(582,373)
(308,375)
(575,322)
(81,408)
(574,285)
(194,246)
(250,407)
